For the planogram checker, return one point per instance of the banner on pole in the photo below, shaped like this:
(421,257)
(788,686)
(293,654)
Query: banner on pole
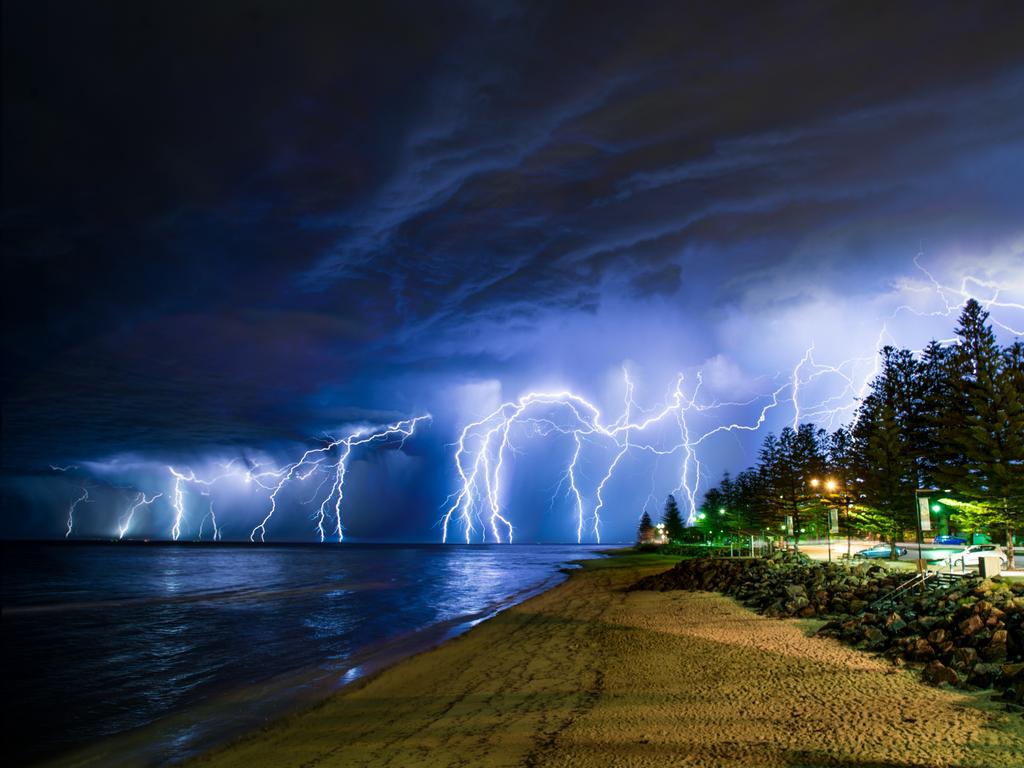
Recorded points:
(833,520)
(925,511)
(789,525)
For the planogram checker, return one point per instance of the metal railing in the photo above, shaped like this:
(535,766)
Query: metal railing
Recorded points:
(916,581)
(925,580)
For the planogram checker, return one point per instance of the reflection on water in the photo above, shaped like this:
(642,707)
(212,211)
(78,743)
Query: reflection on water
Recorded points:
(100,639)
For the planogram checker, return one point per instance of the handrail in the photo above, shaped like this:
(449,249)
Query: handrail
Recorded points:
(939,578)
(906,586)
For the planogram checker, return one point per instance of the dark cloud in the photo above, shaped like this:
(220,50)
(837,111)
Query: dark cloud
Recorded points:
(241,224)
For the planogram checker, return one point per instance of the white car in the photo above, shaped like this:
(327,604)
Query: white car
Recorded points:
(966,558)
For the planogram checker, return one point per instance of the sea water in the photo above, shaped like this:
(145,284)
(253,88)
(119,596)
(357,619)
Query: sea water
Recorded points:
(103,639)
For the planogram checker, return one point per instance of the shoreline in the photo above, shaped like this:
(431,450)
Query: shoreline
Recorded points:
(239,711)
(587,674)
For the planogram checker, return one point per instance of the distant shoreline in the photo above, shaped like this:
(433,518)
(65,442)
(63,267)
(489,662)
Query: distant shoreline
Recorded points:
(246,544)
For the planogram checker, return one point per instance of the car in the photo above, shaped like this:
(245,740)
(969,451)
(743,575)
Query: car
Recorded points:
(949,538)
(966,558)
(880,551)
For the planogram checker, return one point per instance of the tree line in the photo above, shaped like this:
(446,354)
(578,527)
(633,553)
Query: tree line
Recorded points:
(947,423)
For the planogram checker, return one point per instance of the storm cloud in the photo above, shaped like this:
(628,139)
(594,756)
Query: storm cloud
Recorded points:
(232,227)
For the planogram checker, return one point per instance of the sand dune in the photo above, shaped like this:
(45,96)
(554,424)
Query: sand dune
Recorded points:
(588,674)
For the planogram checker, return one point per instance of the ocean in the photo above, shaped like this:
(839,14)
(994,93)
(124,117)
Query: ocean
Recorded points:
(186,645)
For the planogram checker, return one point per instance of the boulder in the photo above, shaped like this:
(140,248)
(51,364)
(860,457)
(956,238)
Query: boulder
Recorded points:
(937,673)
(922,650)
(965,657)
(970,625)
(984,675)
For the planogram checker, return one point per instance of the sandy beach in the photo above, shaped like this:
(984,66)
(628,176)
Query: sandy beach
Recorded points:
(588,674)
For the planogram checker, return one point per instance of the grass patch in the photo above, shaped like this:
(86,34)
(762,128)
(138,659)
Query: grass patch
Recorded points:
(630,557)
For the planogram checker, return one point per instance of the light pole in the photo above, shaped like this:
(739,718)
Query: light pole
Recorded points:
(834,495)
(849,535)
(920,532)
(829,485)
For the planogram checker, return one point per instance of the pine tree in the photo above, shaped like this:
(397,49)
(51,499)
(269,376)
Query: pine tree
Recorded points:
(982,428)
(673,520)
(708,518)
(883,454)
(1011,474)
(935,399)
(841,456)
(728,512)
(645,533)
(788,462)
(770,481)
(747,499)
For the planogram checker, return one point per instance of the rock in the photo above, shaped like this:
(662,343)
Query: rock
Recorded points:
(994,651)
(965,657)
(970,625)
(937,636)
(1013,671)
(922,650)
(984,675)
(937,673)
(980,638)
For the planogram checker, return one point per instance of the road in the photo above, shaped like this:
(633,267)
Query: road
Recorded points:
(819,550)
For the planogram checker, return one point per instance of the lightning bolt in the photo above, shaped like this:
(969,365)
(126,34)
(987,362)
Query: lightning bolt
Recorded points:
(629,404)
(188,477)
(319,459)
(961,294)
(126,521)
(483,445)
(854,387)
(212,516)
(820,392)
(84,498)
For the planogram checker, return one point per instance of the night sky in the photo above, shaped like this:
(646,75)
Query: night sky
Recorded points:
(231,228)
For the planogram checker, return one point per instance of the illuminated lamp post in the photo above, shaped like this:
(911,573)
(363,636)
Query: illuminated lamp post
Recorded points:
(830,486)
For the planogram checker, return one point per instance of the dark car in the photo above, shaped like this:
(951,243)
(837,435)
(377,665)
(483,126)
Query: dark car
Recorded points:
(880,551)
(949,538)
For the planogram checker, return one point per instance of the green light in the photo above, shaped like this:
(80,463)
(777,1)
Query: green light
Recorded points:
(936,508)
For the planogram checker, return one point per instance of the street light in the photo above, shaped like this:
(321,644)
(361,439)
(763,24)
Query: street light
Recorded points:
(829,485)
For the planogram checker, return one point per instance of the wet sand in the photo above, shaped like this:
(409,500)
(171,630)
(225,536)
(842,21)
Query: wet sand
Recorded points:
(589,675)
